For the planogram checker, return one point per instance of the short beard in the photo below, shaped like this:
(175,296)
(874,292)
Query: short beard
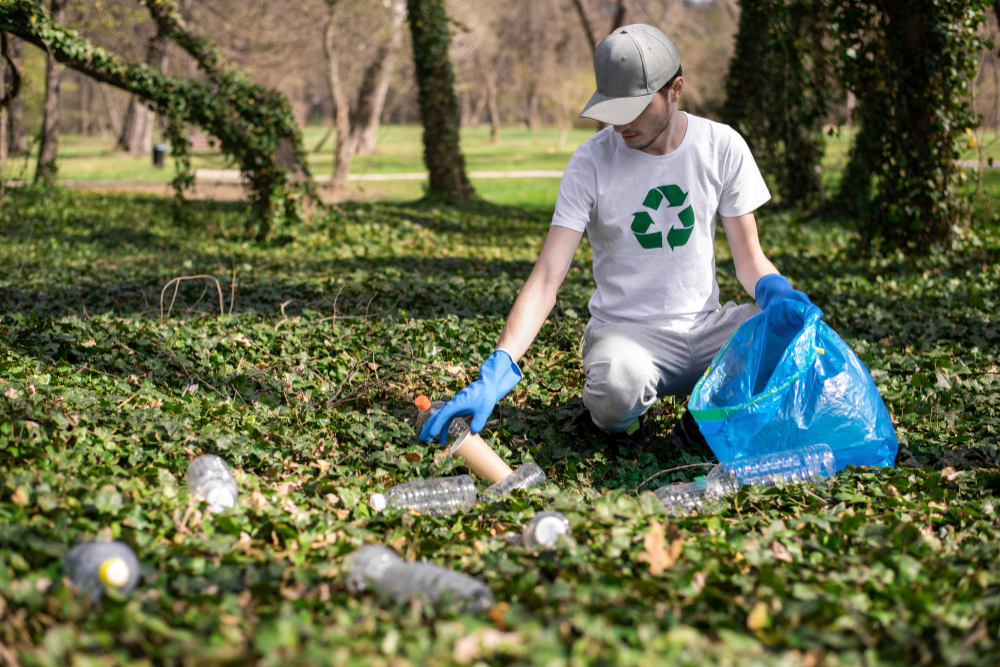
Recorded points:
(662,122)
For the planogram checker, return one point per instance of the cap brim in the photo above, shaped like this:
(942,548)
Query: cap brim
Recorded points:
(615,110)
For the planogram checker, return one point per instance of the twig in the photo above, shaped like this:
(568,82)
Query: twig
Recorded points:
(232,289)
(690,465)
(122,404)
(284,318)
(177,281)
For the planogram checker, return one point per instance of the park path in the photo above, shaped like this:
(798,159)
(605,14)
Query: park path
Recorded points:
(232,177)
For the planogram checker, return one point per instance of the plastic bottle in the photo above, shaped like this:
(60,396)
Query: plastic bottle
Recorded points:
(544,529)
(381,568)
(526,475)
(458,430)
(94,567)
(440,496)
(208,477)
(778,468)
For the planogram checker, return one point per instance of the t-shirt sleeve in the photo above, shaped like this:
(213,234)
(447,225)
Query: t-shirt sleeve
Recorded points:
(743,190)
(577,193)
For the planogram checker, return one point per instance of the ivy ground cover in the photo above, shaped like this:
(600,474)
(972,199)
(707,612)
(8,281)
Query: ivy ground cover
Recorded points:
(299,366)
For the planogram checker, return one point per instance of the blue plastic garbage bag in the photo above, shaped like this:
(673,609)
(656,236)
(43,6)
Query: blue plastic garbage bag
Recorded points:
(784,380)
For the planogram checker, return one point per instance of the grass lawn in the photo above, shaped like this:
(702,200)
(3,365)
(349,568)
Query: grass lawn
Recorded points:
(305,386)
(399,150)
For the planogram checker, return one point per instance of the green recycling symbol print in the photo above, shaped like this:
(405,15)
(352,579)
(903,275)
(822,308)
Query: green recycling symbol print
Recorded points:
(642,221)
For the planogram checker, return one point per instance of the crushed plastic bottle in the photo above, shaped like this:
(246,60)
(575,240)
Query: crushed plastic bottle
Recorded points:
(544,530)
(775,469)
(458,430)
(209,478)
(381,568)
(440,496)
(94,567)
(526,475)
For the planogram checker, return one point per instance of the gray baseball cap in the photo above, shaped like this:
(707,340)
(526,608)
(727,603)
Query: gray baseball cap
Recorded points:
(631,64)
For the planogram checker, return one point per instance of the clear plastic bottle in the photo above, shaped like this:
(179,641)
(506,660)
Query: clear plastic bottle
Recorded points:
(209,478)
(440,496)
(544,529)
(381,568)
(787,467)
(526,475)
(456,432)
(94,567)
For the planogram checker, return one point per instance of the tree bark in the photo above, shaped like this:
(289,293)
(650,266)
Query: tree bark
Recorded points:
(343,151)
(45,172)
(136,137)
(588,30)
(436,98)
(370,125)
(17,139)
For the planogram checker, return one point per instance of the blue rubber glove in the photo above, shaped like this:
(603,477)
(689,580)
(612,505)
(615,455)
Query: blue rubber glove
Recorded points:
(498,376)
(772,292)
(775,286)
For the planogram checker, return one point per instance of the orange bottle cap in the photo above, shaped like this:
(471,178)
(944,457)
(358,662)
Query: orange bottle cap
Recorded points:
(422,402)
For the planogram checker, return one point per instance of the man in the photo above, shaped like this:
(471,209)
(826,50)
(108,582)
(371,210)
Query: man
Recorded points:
(646,190)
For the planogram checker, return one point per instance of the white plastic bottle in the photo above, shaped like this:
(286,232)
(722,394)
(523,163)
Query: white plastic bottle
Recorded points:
(458,430)
(94,567)
(209,478)
(440,496)
(787,467)
(526,475)
(379,567)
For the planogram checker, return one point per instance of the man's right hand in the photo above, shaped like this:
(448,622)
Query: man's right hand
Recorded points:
(497,377)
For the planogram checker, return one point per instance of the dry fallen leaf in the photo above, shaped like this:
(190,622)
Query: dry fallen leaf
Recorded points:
(781,552)
(10,393)
(477,642)
(88,343)
(455,369)
(413,457)
(656,553)
(20,496)
(757,618)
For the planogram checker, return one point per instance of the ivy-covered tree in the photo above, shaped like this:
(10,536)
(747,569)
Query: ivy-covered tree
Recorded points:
(778,90)
(910,64)
(254,125)
(436,97)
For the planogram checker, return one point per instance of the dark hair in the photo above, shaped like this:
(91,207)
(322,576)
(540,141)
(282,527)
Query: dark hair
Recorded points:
(667,85)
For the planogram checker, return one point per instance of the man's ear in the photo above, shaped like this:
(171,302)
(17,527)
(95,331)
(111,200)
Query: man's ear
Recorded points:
(678,88)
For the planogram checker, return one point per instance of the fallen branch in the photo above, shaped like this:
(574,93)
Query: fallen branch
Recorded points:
(177,282)
(662,472)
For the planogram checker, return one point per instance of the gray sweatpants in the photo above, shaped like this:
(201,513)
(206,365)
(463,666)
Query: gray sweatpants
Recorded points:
(629,366)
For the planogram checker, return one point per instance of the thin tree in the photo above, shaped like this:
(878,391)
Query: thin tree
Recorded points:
(45,172)
(136,137)
(436,98)
(17,138)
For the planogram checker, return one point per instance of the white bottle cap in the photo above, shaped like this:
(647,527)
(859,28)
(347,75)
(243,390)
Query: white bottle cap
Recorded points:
(114,572)
(378,502)
(548,529)
(219,498)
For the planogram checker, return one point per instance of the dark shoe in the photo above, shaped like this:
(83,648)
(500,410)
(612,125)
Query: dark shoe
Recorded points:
(686,435)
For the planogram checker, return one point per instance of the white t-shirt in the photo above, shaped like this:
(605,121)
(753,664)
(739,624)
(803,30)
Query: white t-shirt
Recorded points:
(651,220)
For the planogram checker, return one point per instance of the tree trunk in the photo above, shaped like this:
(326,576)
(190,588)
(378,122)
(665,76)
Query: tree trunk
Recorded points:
(85,95)
(136,137)
(17,138)
(370,125)
(477,110)
(343,152)
(489,73)
(436,97)
(46,169)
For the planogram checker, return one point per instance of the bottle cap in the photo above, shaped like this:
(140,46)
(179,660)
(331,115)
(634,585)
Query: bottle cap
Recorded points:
(378,502)
(548,529)
(219,498)
(114,572)
(422,402)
